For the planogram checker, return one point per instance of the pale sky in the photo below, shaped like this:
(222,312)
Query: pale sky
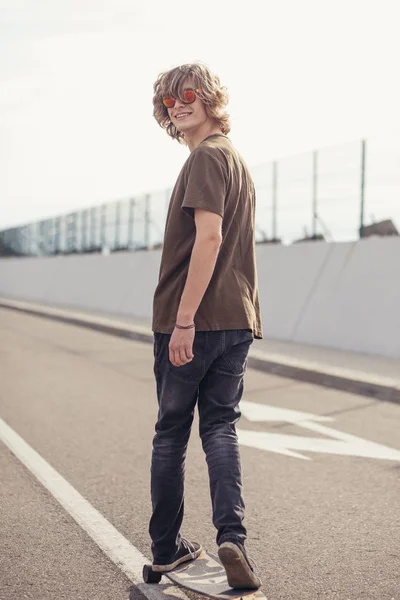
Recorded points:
(76,79)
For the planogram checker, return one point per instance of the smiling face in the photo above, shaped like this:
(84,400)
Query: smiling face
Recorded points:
(189,118)
(190,123)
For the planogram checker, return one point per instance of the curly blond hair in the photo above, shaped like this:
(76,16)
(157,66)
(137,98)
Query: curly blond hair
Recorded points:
(214,96)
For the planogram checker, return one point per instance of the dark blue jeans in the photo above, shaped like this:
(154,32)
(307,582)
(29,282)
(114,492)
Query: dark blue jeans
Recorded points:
(213,380)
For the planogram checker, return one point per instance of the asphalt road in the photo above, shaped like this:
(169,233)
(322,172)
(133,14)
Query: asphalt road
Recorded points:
(323,522)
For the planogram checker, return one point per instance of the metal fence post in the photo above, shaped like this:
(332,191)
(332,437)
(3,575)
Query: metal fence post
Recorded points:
(75,230)
(50,236)
(314,198)
(117,225)
(42,237)
(103,225)
(147,222)
(33,239)
(93,227)
(362,199)
(84,216)
(131,222)
(274,199)
(57,232)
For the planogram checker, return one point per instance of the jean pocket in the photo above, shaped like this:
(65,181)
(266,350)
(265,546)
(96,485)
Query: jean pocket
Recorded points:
(236,356)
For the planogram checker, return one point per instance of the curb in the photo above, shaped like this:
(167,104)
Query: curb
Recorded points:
(363,384)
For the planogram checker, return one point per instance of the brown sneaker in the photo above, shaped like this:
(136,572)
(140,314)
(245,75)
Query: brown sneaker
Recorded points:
(187,551)
(239,572)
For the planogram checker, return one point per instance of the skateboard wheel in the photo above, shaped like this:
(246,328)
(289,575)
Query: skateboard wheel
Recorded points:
(150,576)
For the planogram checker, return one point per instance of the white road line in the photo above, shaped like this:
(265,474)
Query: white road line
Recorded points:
(122,553)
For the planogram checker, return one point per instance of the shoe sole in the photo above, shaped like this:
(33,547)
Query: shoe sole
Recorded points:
(238,572)
(172,566)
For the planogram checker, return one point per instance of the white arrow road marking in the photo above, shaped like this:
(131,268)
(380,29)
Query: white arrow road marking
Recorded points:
(342,443)
(264,412)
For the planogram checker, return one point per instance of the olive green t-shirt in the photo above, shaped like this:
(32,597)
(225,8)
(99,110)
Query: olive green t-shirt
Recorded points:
(214,178)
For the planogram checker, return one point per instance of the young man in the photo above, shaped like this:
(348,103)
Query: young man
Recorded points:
(205,316)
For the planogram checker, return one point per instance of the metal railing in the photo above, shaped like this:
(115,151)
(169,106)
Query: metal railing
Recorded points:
(331,193)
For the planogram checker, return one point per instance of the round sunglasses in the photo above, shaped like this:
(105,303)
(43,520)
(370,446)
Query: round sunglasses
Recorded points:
(188,97)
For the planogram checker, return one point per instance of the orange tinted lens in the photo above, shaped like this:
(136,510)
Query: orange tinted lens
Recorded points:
(188,96)
(168,101)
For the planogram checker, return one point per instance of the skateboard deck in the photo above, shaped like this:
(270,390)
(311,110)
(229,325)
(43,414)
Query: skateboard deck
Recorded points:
(207,576)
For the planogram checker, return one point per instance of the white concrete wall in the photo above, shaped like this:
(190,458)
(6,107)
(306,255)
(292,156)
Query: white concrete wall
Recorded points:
(344,295)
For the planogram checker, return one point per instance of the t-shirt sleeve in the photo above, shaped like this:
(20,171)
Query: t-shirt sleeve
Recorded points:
(206,184)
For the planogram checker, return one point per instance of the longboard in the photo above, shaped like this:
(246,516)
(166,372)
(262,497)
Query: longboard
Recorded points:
(204,575)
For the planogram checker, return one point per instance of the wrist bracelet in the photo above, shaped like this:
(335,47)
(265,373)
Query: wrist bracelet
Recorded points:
(185,327)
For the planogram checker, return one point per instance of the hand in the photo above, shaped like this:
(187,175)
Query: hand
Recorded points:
(181,346)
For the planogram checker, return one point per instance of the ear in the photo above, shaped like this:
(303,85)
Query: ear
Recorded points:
(208,225)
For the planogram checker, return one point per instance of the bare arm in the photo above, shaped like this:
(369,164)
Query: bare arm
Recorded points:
(201,268)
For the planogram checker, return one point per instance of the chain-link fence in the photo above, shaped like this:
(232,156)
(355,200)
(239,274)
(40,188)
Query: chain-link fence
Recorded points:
(331,193)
